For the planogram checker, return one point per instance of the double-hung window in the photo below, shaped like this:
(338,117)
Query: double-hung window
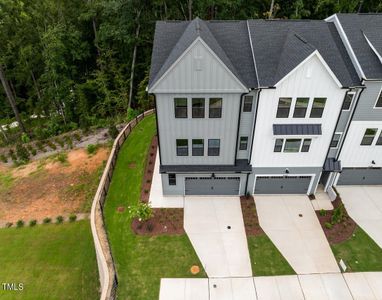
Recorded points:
(215,110)
(318,107)
(198,107)
(379,141)
(292,145)
(306,145)
(180,107)
(278,145)
(172,179)
(347,101)
(213,147)
(182,147)
(283,107)
(369,136)
(243,143)
(197,147)
(335,140)
(379,101)
(301,107)
(247,106)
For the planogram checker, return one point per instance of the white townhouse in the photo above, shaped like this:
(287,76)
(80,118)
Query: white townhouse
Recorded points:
(252,106)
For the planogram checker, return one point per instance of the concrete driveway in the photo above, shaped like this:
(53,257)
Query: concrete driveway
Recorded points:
(292,225)
(364,205)
(215,227)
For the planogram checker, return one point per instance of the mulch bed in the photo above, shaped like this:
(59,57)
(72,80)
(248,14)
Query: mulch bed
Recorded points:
(149,170)
(251,221)
(340,232)
(165,221)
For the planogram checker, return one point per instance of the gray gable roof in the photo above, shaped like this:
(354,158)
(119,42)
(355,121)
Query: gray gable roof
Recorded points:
(355,27)
(278,46)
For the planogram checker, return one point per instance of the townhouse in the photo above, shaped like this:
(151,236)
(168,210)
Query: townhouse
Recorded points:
(264,106)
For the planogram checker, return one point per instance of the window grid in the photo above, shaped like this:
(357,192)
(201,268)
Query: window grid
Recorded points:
(171,179)
(198,105)
(215,108)
(213,147)
(247,106)
(182,147)
(283,108)
(197,147)
(243,143)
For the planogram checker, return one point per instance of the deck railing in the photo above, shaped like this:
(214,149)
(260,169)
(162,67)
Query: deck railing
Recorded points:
(106,267)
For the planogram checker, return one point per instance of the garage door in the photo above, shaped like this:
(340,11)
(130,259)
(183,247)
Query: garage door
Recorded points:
(212,186)
(282,184)
(359,176)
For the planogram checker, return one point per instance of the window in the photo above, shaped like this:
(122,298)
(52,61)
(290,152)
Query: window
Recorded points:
(278,145)
(182,147)
(247,106)
(197,147)
(306,145)
(180,107)
(171,179)
(292,145)
(198,107)
(368,137)
(318,107)
(216,107)
(379,101)
(379,141)
(335,140)
(213,147)
(347,101)
(243,143)
(284,107)
(301,107)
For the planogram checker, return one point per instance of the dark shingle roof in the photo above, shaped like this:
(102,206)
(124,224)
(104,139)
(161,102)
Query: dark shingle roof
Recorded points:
(356,26)
(297,129)
(279,46)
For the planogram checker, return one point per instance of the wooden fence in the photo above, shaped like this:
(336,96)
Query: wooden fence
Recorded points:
(106,267)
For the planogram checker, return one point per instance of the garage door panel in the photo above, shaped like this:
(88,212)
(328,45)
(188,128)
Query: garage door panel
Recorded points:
(360,176)
(282,184)
(212,186)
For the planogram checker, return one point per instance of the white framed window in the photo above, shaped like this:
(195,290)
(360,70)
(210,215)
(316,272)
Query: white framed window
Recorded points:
(292,145)
(369,136)
(379,140)
(378,103)
(283,107)
(336,140)
(318,107)
(348,100)
(300,107)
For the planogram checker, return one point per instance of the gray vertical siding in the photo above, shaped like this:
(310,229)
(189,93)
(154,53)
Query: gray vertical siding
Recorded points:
(224,128)
(246,127)
(365,110)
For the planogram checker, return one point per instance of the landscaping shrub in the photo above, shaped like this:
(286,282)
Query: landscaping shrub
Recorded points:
(32,223)
(59,219)
(8,224)
(92,149)
(72,218)
(338,214)
(20,223)
(142,211)
(25,138)
(328,225)
(113,131)
(3,158)
(47,220)
(322,212)
(22,153)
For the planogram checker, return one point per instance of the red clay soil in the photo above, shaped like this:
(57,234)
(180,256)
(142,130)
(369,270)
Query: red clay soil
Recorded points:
(339,232)
(149,170)
(166,221)
(251,221)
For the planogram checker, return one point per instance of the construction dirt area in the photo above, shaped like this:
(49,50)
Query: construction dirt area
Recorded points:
(56,186)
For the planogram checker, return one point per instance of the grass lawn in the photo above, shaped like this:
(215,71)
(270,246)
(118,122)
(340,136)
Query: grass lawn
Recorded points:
(266,259)
(141,260)
(360,253)
(52,261)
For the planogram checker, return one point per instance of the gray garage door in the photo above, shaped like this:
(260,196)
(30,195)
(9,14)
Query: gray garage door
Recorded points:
(282,184)
(359,176)
(212,186)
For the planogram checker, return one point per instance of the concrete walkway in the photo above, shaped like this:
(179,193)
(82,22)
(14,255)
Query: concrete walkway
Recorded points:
(292,225)
(364,205)
(215,227)
(348,286)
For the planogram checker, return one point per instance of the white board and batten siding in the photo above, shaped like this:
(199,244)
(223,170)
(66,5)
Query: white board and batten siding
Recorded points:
(310,79)
(354,155)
